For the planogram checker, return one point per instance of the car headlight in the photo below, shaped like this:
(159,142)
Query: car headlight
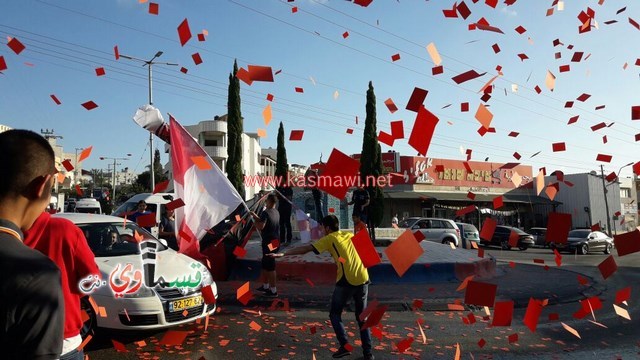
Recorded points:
(142,292)
(207,279)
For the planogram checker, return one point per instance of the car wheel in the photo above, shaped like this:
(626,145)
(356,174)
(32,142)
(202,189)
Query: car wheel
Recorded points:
(448,241)
(583,249)
(523,248)
(89,325)
(505,245)
(607,249)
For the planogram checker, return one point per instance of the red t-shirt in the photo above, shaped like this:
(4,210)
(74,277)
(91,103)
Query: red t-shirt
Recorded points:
(64,243)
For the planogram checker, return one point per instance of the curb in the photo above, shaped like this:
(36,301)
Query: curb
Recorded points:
(324,273)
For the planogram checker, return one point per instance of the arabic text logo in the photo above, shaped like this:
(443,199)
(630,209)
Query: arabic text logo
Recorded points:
(126,282)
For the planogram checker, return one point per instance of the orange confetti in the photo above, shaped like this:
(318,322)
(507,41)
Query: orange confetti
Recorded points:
(571,330)
(255,326)
(201,162)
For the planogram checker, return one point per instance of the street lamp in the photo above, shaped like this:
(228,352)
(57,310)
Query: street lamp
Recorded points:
(606,201)
(115,164)
(150,64)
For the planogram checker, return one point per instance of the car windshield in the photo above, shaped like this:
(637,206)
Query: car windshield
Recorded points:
(579,233)
(114,239)
(130,207)
(408,222)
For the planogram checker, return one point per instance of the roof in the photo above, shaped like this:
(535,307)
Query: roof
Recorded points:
(458,196)
(81,218)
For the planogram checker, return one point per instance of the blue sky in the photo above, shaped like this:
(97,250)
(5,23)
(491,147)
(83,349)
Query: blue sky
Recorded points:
(66,41)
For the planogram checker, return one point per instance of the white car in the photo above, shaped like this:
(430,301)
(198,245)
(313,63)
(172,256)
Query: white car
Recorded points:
(122,291)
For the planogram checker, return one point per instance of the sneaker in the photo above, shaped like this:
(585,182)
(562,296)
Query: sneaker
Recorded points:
(269,293)
(369,356)
(342,352)
(262,288)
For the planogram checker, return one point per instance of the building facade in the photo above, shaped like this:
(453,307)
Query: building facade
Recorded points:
(628,220)
(583,196)
(4,128)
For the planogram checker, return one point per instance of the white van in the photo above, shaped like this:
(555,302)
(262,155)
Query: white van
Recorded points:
(155,204)
(88,206)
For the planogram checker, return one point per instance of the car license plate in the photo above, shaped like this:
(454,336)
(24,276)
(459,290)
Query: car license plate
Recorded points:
(188,303)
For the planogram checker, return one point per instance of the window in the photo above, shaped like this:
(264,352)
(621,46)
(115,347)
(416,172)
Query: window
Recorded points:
(209,142)
(625,192)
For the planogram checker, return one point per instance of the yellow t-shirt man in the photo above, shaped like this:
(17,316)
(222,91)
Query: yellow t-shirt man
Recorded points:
(351,271)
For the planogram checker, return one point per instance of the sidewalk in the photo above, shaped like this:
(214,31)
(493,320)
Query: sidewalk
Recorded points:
(438,264)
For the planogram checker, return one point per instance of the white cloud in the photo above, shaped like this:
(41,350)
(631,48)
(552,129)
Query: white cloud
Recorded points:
(505,10)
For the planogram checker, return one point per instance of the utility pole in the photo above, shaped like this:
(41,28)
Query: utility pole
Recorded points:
(50,134)
(606,202)
(115,164)
(150,64)
(75,167)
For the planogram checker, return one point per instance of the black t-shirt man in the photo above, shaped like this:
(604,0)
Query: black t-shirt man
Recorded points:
(284,206)
(359,197)
(32,319)
(271,230)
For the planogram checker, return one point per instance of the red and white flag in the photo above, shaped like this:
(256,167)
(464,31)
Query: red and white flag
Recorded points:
(208,195)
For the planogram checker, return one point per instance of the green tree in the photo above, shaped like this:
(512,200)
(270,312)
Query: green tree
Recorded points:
(158,170)
(233,166)
(371,160)
(282,167)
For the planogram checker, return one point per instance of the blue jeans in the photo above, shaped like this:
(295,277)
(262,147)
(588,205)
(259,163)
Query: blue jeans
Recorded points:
(73,355)
(340,298)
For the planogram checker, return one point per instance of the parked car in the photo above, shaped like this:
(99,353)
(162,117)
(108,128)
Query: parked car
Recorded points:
(439,230)
(501,238)
(584,240)
(539,236)
(88,206)
(149,307)
(468,233)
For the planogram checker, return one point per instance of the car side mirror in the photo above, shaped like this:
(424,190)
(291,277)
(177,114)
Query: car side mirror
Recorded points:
(163,242)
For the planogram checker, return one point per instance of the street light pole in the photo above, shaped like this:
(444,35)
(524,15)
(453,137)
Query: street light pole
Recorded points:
(606,202)
(115,163)
(150,64)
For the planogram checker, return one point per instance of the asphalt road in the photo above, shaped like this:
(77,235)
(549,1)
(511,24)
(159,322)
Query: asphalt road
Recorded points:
(304,331)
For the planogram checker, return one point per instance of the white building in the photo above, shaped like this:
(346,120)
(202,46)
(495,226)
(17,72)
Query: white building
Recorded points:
(4,128)
(212,136)
(628,205)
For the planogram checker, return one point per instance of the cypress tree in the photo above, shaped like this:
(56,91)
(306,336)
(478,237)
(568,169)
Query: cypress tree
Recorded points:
(371,162)
(282,167)
(233,167)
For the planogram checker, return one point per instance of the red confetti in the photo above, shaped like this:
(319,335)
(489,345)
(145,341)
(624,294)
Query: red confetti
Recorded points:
(89,105)
(15,45)
(55,99)
(100,71)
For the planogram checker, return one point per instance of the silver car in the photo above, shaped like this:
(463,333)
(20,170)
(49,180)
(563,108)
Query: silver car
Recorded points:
(443,231)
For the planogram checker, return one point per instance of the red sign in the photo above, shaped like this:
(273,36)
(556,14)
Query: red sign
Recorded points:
(390,161)
(441,172)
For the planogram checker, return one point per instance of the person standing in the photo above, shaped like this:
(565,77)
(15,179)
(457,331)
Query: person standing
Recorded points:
(167,229)
(352,281)
(284,209)
(268,223)
(394,221)
(65,244)
(32,305)
(141,209)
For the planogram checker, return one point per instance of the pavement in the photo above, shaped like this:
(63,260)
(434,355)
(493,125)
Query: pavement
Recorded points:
(438,264)
(307,281)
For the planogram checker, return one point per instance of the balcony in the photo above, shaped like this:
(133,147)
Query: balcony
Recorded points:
(215,126)
(216,152)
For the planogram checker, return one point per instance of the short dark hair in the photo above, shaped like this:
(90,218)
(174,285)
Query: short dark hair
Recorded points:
(141,202)
(24,156)
(332,222)
(272,197)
